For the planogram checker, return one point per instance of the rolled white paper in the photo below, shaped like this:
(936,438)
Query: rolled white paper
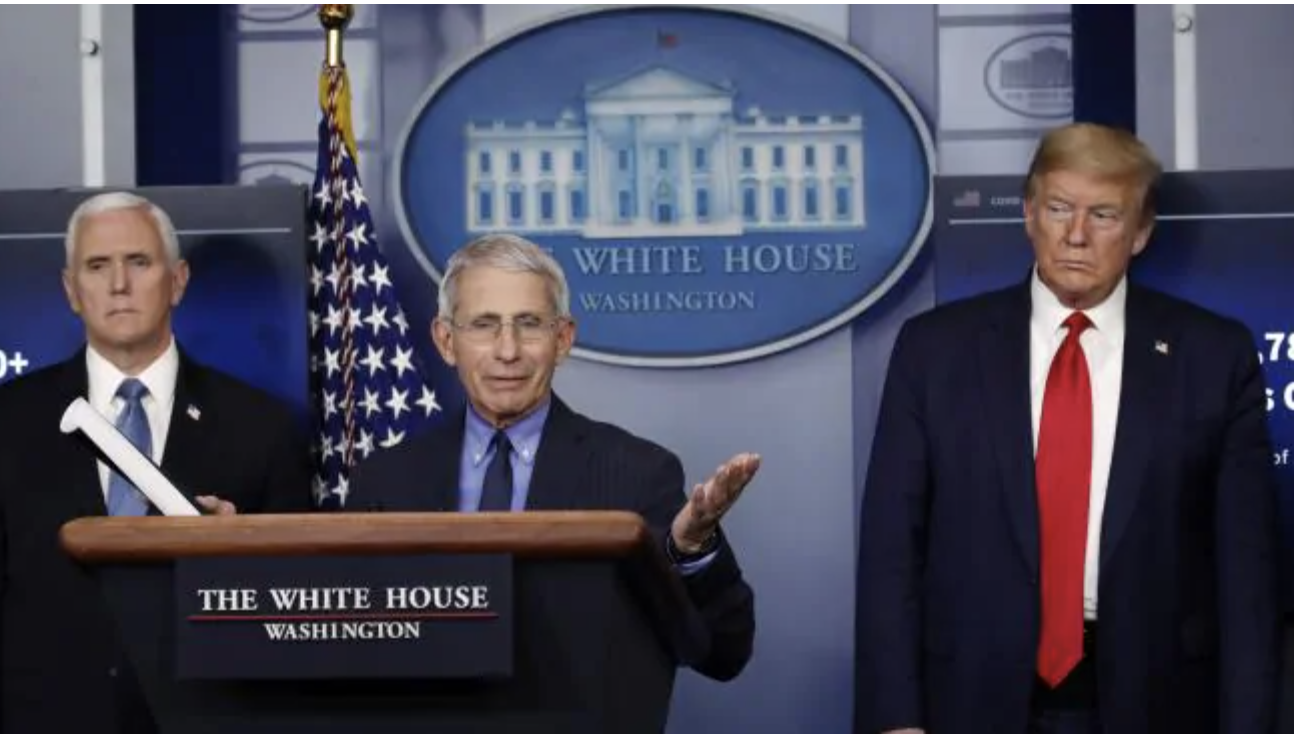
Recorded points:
(80,416)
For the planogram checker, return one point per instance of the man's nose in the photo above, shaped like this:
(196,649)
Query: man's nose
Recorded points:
(506,347)
(1076,234)
(119,280)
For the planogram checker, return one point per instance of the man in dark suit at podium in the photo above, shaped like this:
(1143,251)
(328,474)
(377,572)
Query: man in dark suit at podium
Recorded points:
(504,324)
(1069,522)
(61,669)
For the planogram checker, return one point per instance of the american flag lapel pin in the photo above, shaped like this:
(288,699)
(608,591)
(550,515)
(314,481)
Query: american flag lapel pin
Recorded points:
(1162,348)
(193,412)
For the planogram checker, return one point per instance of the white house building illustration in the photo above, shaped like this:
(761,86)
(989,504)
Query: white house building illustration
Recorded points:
(659,153)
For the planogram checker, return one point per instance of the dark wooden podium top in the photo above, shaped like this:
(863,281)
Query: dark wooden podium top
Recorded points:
(529,534)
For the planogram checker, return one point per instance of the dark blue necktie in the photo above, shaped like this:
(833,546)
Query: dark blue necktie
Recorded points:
(499,482)
(123,497)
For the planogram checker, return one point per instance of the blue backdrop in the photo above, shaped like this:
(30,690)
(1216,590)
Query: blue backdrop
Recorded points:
(245,310)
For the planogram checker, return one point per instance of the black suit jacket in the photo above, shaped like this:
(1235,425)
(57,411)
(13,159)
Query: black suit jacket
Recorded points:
(60,665)
(581,465)
(948,595)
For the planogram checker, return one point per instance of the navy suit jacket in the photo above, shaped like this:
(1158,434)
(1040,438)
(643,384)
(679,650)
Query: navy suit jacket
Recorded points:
(61,668)
(948,597)
(581,464)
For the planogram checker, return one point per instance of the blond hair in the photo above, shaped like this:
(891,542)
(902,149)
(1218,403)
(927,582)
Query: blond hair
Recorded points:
(1108,153)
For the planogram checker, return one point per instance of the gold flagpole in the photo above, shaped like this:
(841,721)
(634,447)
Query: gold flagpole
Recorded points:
(334,19)
(335,92)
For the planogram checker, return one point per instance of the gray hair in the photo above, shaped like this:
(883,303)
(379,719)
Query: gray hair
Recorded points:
(112,201)
(510,253)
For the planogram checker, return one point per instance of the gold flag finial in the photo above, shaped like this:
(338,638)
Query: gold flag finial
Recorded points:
(334,19)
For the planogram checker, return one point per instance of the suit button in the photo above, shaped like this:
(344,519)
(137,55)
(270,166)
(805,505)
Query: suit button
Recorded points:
(1033,581)
(112,672)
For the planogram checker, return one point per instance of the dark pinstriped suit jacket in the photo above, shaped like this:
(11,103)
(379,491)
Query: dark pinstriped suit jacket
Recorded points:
(581,465)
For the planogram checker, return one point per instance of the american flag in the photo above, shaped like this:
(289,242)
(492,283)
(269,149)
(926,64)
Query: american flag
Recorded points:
(368,391)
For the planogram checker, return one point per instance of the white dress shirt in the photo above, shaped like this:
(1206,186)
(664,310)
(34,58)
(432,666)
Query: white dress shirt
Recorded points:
(159,377)
(1103,345)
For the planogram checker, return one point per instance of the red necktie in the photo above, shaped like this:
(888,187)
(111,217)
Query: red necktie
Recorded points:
(1064,470)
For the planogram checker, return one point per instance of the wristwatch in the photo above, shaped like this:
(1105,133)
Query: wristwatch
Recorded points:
(678,557)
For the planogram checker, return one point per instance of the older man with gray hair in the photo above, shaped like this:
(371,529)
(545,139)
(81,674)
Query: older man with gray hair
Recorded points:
(504,324)
(229,446)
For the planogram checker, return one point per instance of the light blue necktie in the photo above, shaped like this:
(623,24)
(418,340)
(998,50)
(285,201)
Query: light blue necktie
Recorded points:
(123,497)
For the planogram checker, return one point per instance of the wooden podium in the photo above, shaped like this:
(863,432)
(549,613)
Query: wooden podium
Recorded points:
(595,621)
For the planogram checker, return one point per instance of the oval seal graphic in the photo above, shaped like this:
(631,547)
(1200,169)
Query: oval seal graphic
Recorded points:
(1032,75)
(275,13)
(275,172)
(718,185)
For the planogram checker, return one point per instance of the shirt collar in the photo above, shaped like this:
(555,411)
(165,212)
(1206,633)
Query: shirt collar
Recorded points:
(103,378)
(1048,314)
(525,435)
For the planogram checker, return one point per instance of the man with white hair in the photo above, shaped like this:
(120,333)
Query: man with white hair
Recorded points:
(229,446)
(504,324)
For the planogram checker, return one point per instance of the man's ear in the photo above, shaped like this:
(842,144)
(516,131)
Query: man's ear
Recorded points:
(442,339)
(70,291)
(1143,236)
(568,333)
(180,279)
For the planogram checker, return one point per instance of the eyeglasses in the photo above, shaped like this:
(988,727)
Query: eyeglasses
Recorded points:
(487,329)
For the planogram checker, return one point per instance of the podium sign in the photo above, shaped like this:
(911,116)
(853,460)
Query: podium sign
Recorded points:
(338,617)
(554,622)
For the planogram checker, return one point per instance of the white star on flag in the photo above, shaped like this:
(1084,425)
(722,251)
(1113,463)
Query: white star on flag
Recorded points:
(359,349)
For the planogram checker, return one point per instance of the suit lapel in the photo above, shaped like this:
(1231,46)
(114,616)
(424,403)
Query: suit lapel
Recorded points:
(443,454)
(1004,367)
(559,458)
(184,446)
(1147,377)
(87,490)
(83,468)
